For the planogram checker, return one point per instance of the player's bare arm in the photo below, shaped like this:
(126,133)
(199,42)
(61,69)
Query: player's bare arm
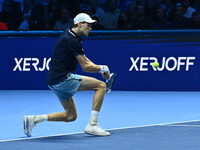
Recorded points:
(87,65)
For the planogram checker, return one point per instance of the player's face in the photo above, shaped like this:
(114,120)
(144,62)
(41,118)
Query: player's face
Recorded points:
(86,28)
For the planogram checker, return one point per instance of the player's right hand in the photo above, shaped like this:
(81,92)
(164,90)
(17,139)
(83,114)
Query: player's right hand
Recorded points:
(106,75)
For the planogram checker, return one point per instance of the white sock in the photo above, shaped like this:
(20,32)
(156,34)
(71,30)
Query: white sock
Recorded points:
(40,118)
(94,117)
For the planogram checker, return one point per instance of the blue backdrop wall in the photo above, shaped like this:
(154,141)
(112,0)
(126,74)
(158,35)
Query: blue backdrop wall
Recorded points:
(24,62)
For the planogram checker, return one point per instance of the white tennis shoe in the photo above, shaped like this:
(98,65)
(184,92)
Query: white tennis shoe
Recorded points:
(29,124)
(95,130)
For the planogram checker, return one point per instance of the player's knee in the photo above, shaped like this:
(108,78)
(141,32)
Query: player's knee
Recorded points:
(73,118)
(70,118)
(102,86)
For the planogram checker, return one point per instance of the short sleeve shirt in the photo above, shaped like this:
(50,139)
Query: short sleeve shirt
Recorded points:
(63,60)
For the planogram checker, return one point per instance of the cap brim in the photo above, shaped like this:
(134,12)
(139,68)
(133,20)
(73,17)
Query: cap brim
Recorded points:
(91,21)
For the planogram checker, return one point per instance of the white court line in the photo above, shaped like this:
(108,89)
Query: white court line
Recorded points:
(184,125)
(29,138)
(164,124)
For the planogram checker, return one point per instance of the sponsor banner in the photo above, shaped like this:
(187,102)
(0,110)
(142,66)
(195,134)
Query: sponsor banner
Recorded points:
(169,64)
(25,61)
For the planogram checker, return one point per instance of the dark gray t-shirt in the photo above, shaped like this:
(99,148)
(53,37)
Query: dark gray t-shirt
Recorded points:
(63,60)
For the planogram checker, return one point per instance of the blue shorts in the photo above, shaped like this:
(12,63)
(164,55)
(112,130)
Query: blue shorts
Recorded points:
(67,88)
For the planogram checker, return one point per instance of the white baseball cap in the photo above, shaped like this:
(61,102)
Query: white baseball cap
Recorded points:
(82,17)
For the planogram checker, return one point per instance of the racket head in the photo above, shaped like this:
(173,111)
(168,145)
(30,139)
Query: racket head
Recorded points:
(110,82)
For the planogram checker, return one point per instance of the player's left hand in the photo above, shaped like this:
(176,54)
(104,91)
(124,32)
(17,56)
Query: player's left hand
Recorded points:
(106,75)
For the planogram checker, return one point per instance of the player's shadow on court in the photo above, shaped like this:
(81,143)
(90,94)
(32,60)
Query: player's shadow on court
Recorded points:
(65,139)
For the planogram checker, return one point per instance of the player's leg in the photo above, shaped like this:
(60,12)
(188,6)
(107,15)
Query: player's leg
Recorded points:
(64,90)
(89,83)
(99,87)
(69,115)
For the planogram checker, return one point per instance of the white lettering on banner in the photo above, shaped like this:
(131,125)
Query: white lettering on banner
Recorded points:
(143,64)
(134,64)
(24,64)
(47,64)
(176,63)
(188,63)
(18,64)
(44,66)
(35,63)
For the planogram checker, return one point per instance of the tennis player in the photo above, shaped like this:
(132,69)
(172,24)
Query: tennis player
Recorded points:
(68,52)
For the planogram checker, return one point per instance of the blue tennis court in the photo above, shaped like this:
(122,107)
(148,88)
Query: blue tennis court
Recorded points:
(136,120)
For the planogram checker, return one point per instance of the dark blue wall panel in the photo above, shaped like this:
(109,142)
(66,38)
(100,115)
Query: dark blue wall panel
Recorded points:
(179,58)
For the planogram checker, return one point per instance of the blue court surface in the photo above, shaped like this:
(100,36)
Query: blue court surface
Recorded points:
(136,120)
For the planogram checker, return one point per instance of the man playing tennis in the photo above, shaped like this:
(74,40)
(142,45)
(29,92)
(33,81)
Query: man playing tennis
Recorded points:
(61,80)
